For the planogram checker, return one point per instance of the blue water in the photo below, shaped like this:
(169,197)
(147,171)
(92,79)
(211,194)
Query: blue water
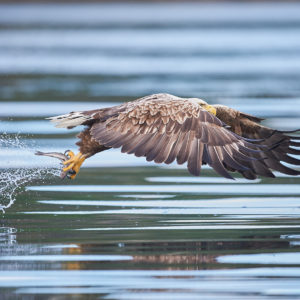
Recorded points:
(125,228)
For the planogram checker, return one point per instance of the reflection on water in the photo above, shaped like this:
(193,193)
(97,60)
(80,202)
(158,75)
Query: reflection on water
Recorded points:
(198,180)
(246,202)
(7,235)
(126,229)
(66,258)
(228,189)
(262,258)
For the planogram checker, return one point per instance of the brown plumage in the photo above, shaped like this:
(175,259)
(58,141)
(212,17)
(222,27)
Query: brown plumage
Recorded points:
(164,128)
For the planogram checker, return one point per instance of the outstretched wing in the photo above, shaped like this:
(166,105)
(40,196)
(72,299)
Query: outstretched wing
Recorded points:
(163,129)
(279,143)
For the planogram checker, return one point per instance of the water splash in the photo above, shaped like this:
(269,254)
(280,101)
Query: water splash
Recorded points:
(12,140)
(13,180)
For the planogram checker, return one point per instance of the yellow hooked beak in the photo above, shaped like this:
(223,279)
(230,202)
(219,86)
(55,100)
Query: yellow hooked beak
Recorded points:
(210,108)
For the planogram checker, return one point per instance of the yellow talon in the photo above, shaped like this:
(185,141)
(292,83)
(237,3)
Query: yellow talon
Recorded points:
(74,163)
(69,167)
(70,153)
(72,158)
(73,176)
(78,164)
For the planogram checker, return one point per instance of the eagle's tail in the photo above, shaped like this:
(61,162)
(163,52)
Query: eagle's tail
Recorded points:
(70,120)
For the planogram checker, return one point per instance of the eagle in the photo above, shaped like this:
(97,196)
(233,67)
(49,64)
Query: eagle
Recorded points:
(164,128)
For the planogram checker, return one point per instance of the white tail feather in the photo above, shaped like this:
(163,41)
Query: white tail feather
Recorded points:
(70,120)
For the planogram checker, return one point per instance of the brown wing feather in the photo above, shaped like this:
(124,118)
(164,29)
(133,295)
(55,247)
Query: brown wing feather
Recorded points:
(164,128)
(195,158)
(278,143)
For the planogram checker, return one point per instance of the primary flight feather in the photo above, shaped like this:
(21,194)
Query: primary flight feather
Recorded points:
(164,128)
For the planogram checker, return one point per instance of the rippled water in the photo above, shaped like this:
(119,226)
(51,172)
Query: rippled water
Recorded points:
(125,228)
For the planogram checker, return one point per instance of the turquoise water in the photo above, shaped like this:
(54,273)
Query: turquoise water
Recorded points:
(125,228)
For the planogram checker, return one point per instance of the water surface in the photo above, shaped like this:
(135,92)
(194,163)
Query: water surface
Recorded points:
(125,228)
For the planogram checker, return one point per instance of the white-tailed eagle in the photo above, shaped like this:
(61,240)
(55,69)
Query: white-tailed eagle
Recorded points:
(164,128)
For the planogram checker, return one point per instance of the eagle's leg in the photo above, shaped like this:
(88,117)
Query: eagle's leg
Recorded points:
(74,163)
(87,148)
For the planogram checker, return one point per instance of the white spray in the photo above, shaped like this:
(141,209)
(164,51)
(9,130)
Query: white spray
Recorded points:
(13,179)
